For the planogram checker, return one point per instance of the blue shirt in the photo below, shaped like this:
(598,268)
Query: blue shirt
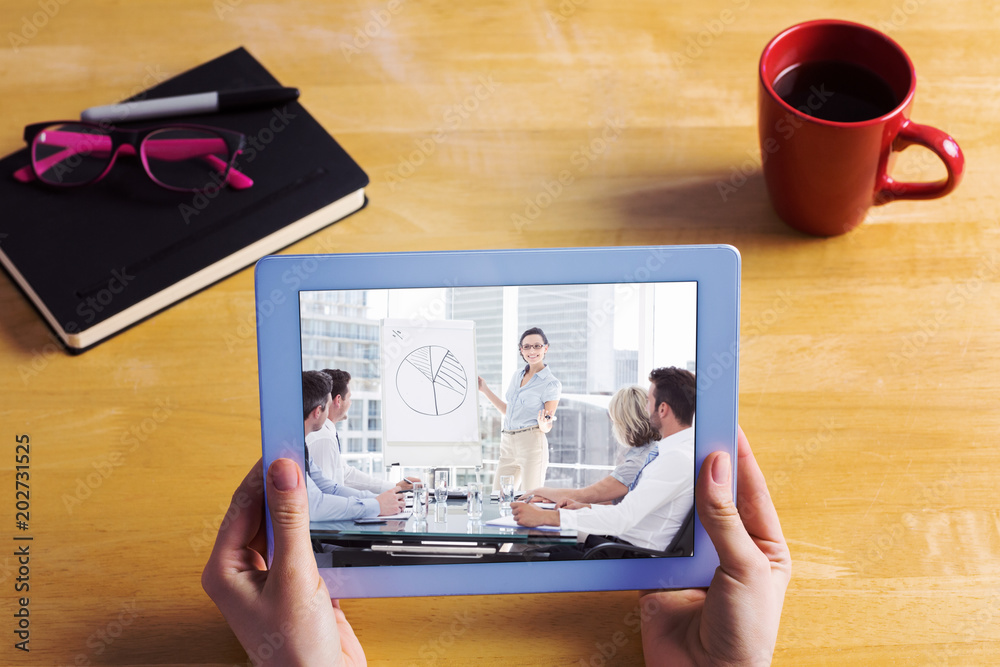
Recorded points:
(524,403)
(329,501)
(628,470)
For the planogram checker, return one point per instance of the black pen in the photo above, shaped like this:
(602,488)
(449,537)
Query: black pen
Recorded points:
(185,105)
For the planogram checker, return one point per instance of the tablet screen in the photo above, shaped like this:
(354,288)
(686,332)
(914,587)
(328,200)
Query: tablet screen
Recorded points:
(501,389)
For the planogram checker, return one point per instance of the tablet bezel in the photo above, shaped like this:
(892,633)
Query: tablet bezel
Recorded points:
(716,269)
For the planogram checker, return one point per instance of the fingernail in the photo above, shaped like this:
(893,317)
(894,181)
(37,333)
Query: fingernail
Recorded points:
(284,475)
(720,469)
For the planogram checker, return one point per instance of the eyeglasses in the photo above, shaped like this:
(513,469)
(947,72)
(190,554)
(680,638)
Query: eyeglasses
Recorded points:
(535,346)
(186,158)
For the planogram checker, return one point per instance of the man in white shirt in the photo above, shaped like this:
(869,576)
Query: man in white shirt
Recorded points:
(651,514)
(329,500)
(325,446)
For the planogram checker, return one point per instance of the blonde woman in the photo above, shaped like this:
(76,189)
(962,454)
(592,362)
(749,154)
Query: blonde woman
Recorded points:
(631,427)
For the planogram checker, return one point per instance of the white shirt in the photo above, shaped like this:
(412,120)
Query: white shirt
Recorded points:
(650,514)
(324,448)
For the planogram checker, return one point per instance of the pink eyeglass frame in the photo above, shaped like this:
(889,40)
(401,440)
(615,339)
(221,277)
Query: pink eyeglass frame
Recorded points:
(115,141)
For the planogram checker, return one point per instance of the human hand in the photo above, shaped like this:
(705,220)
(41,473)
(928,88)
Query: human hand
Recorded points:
(529,516)
(406,484)
(544,494)
(482,384)
(568,504)
(285,612)
(545,420)
(734,622)
(390,502)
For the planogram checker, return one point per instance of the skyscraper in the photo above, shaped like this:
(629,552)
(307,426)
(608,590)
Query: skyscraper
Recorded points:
(337,332)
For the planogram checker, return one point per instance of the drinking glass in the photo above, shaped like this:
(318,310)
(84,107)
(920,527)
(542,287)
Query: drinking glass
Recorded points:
(475,496)
(441,486)
(506,491)
(419,500)
(440,513)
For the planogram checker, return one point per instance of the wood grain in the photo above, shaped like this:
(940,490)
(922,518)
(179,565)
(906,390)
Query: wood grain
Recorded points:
(870,368)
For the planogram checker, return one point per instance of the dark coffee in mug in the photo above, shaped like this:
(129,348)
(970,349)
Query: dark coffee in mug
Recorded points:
(837,91)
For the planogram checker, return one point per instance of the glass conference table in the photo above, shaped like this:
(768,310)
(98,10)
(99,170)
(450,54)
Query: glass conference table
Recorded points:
(446,534)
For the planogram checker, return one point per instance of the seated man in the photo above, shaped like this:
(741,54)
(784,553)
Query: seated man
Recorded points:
(631,427)
(324,444)
(650,515)
(327,499)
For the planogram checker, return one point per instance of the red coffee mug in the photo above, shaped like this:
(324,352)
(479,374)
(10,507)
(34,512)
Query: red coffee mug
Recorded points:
(823,175)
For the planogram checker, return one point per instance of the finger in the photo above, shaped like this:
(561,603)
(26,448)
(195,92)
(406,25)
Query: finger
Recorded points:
(239,527)
(352,654)
(738,555)
(288,505)
(752,497)
(259,542)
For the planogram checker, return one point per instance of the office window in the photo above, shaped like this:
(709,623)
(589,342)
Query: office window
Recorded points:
(354,416)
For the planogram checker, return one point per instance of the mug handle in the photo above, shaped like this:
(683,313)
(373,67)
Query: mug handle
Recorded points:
(942,145)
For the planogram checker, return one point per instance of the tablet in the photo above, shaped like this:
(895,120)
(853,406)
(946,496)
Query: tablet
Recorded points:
(488,372)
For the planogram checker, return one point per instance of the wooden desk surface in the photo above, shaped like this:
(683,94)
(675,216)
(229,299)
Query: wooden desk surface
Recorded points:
(871,362)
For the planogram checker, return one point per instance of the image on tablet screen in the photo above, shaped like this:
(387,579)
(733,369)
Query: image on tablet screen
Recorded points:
(500,423)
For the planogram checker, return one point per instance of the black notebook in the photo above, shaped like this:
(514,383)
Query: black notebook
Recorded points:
(99,258)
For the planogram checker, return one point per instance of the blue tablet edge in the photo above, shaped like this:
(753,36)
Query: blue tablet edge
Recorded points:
(716,268)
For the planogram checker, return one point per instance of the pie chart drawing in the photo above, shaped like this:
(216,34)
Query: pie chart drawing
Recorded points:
(431,381)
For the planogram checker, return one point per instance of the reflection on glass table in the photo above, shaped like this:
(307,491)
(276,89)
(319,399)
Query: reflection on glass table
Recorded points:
(445,534)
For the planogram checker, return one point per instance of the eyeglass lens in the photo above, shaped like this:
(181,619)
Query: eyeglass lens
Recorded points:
(535,346)
(70,154)
(179,158)
(185,158)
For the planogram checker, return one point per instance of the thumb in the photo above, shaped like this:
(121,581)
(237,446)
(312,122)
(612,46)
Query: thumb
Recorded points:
(738,555)
(288,505)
